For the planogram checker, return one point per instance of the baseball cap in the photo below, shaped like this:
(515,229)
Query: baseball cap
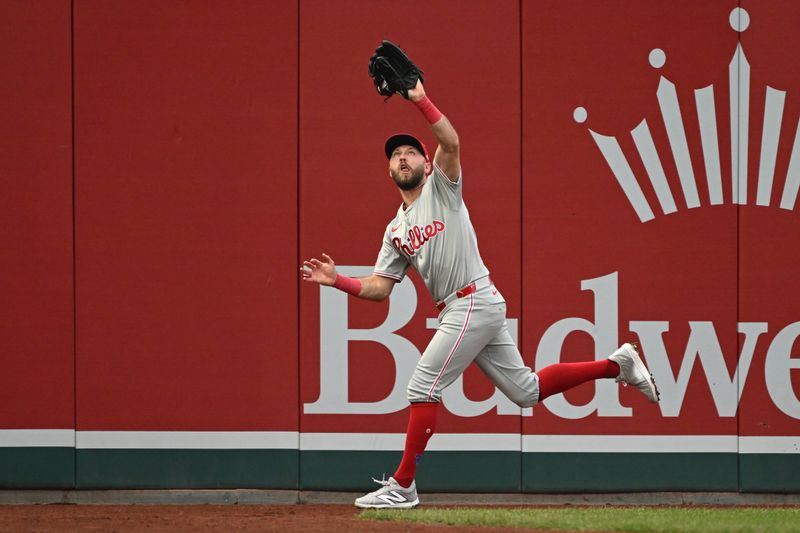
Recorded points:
(401,139)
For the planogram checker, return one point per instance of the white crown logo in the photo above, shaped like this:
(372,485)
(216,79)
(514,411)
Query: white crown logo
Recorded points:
(739,98)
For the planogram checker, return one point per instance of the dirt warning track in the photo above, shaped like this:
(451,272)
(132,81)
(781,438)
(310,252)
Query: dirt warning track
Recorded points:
(172,518)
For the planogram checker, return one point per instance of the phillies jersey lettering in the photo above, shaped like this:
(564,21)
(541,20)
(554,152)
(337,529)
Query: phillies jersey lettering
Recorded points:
(417,237)
(435,236)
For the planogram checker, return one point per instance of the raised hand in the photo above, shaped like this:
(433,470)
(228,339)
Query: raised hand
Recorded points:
(417,93)
(322,272)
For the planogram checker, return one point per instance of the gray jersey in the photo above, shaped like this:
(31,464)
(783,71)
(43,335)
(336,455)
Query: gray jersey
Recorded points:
(436,237)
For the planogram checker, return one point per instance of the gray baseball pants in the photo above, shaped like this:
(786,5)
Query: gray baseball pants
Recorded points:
(474,328)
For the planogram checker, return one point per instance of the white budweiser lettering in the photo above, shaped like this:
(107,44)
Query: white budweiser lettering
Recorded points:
(418,236)
(702,348)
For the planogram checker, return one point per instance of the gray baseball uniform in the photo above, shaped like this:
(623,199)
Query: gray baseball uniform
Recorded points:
(435,236)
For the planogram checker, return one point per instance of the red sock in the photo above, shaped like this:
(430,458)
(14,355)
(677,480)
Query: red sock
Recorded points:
(421,425)
(563,376)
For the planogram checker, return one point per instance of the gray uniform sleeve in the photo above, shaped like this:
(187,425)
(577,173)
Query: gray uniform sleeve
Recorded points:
(446,190)
(391,263)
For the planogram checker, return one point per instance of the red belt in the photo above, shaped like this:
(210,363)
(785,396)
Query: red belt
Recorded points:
(460,293)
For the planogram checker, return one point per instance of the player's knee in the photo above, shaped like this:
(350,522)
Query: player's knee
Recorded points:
(416,394)
(524,398)
(527,402)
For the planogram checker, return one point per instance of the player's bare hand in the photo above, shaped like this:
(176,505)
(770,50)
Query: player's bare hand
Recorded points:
(417,93)
(322,272)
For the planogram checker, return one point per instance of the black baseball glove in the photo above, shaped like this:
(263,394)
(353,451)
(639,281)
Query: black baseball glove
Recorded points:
(392,70)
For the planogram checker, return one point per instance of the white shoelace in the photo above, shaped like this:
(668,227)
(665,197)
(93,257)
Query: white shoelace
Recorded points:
(383,481)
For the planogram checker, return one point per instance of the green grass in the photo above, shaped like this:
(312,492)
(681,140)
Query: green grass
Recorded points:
(644,519)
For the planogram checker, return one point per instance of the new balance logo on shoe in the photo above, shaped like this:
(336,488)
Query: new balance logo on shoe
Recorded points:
(391,495)
(393,498)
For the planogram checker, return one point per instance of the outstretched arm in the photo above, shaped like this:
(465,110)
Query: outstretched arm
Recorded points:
(373,287)
(447,153)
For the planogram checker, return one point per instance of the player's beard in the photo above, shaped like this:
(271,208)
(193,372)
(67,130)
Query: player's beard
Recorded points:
(410,181)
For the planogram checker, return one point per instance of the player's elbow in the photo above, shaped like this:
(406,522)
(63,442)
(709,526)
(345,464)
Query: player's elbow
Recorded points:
(378,296)
(381,288)
(450,144)
(385,293)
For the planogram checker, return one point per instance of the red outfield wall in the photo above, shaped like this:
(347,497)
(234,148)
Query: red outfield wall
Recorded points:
(36,285)
(186,164)
(197,151)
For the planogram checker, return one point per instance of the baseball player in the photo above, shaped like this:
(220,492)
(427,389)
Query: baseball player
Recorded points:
(432,233)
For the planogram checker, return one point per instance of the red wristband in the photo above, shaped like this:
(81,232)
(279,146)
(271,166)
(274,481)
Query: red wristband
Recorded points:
(348,285)
(429,110)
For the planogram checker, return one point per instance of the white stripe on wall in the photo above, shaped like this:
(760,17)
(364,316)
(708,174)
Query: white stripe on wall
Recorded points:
(396,441)
(769,444)
(501,442)
(630,443)
(214,440)
(24,438)
(292,440)
(352,441)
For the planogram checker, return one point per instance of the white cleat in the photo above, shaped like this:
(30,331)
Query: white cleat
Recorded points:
(632,371)
(390,496)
